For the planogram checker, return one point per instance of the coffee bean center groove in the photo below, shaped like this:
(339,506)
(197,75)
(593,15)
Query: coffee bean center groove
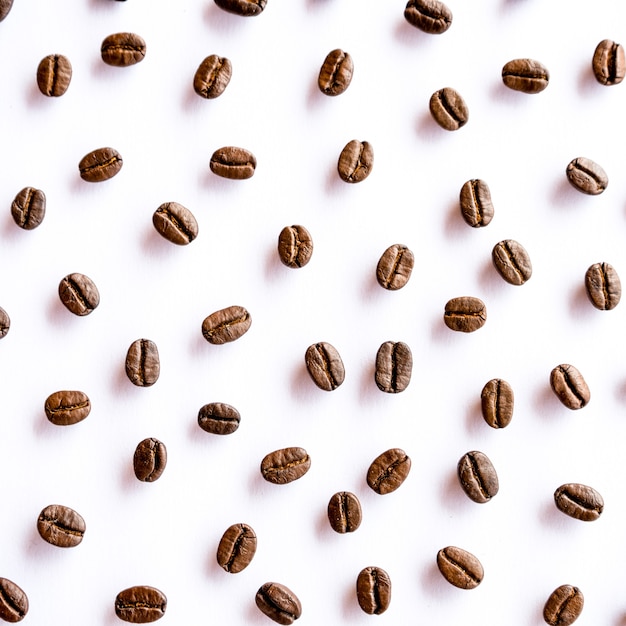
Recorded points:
(460,567)
(572,387)
(478,477)
(58,524)
(8,601)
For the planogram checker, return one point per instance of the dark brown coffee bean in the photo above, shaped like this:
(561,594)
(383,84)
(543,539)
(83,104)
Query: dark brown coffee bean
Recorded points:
(226,325)
(279,603)
(234,163)
(61,526)
(65,408)
(54,74)
(100,165)
(512,261)
(525,75)
(497,402)
(570,386)
(465,314)
(140,604)
(449,109)
(29,208)
(476,205)
(373,590)
(13,602)
(460,568)
(336,73)
(123,49)
(212,76)
(344,512)
(388,471)
(394,364)
(394,267)
(5,7)
(324,365)
(5,323)
(603,286)
(586,176)
(295,246)
(564,606)
(609,62)
(219,418)
(142,363)
(79,294)
(236,548)
(149,460)
(176,223)
(286,465)
(355,161)
(431,16)
(579,501)
(245,8)
(477,476)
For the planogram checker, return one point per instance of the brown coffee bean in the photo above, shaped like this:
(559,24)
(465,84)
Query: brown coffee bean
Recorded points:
(477,476)
(569,386)
(476,205)
(176,223)
(13,602)
(123,49)
(609,62)
(5,7)
(497,402)
(449,109)
(29,208)
(431,16)
(64,408)
(336,73)
(295,246)
(579,501)
(525,75)
(219,418)
(5,323)
(226,325)
(79,294)
(245,8)
(286,465)
(61,526)
(394,267)
(564,606)
(388,471)
(394,365)
(355,161)
(512,261)
(100,165)
(234,163)
(373,590)
(586,176)
(149,460)
(142,363)
(236,548)
(459,567)
(279,603)
(212,76)
(54,74)
(465,314)
(324,365)
(344,512)
(603,286)
(140,605)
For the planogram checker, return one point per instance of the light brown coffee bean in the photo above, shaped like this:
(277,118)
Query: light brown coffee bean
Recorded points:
(176,223)
(123,49)
(609,62)
(219,418)
(5,7)
(149,460)
(142,363)
(285,465)
(5,323)
(394,267)
(477,476)
(64,408)
(431,16)
(54,74)
(373,590)
(279,603)
(295,246)
(29,208)
(232,162)
(476,205)
(569,386)
(344,512)
(564,606)
(79,294)
(449,109)
(324,365)
(465,314)
(244,8)
(603,286)
(237,548)
(212,76)
(394,365)
(579,501)
(355,161)
(497,401)
(61,526)
(586,176)
(525,75)
(226,325)
(512,262)
(140,604)
(388,471)
(336,73)
(100,165)
(459,567)
(13,602)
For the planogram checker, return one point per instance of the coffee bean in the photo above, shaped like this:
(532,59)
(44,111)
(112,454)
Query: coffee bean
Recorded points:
(54,74)
(497,402)
(373,590)
(212,76)
(286,465)
(5,7)
(394,267)
(336,73)
(324,365)
(29,208)
(449,109)
(465,314)
(459,567)
(245,8)
(609,62)
(65,408)
(512,261)
(586,176)
(431,16)
(140,605)
(219,418)
(226,325)
(279,603)
(603,286)
(234,163)
(149,460)
(142,363)
(344,512)
(100,165)
(236,548)
(579,501)
(123,49)
(476,205)
(477,476)
(61,526)
(525,75)
(13,602)
(295,246)
(176,223)
(5,323)
(564,606)
(79,294)
(394,364)
(355,161)
(388,471)
(570,386)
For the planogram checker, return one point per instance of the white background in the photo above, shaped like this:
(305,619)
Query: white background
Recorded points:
(165,534)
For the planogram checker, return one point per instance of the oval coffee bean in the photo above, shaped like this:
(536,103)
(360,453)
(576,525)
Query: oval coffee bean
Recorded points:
(449,109)
(29,208)
(176,223)
(5,323)
(388,471)
(394,267)
(219,418)
(465,314)
(279,603)
(355,161)
(609,62)
(142,363)
(212,76)
(100,165)
(512,261)
(430,16)
(226,325)
(123,49)
(459,567)
(140,605)
(477,476)
(79,294)
(295,246)
(525,75)
(65,408)
(234,163)
(245,8)
(476,205)
(5,7)
(324,365)
(54,74)
(236,548)
(373,590)
(149,460)
(61,526)
(394,365)
(579,501)
(286,465)
(497,402)
(603,286)
(336,73)
(564,606)
(586,176)
(570,386)
(344,512)
(13,602)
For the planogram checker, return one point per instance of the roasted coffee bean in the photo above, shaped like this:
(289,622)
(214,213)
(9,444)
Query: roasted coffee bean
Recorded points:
(212,76)
(373,590)
(449,109)
(286,465)
(512,261)
(609,62)
(29,208)
(476,205)
(344,512)
(388,471)
(603,286)
(61,526)
(100,165)
(497,402)
(123,49)
(570,386)
(13,602)
(79,294)
(5,323)
(142,363)
(140,604)
(459,567)
(564,606)
(394,364)
(236,548)
(219,418)
(279,603)
(336,73)
(295,246)
(226,325)
(54,74)
(324,365)
(586,176)
(465,314)
(234,163)
(477,476)
(430,16)
(5,7)
(149,460)
(65,408)
(176,223)
(579,501)
(525,75)
(355,161)
(245,8)
(394,267)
